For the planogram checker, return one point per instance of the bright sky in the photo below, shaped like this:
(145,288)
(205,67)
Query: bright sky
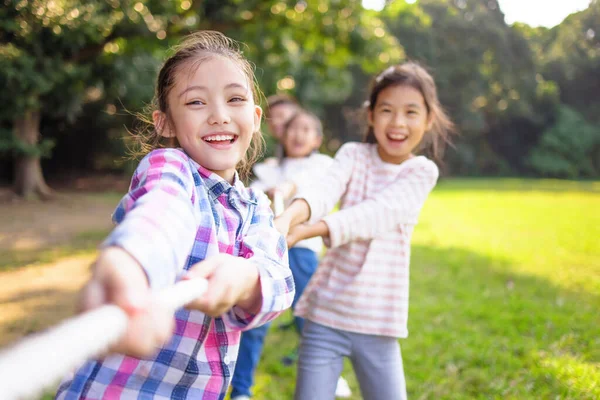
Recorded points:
(533,12)
(540,12)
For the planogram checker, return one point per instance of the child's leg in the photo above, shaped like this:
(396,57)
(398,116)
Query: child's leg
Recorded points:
(377,362)
(322,352)
(303,263)
(251,345)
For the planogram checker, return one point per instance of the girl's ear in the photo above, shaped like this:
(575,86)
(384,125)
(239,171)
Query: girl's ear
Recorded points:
(370,117)
(160,124)
(258,112)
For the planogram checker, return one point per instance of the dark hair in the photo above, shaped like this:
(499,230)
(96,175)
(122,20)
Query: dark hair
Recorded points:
(317,121)
(280,99)
(191,52)
(414,75)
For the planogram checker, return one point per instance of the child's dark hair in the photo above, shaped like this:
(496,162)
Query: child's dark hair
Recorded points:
(316,120)
(189,54)
(414,75)
(280,99)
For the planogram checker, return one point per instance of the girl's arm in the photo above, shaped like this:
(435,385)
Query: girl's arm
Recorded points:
(148,248)
(156,222)
(400,203)
(317,198)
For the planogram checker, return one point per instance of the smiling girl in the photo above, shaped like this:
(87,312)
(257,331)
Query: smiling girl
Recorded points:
(356,304)
(188,215)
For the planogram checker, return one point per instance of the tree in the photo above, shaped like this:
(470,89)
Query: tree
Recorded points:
(58,55)
(571,58)
(569,149)
(48,50)
(486,76)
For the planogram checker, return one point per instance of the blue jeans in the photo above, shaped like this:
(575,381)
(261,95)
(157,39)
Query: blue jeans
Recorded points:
(303,263)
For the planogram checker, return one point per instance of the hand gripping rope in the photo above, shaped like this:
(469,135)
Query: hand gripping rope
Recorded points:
(42,359)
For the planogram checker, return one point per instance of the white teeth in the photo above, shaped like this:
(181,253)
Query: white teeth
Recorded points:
(219,138)
(397,136)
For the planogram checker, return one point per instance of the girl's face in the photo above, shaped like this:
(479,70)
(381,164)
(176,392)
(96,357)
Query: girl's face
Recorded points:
(301,138)
(399,121)
(278,116)
(212,114)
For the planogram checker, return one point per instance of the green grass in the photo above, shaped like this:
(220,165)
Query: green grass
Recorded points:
(505,293)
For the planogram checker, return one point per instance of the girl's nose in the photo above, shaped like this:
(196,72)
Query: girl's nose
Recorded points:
(399,119)
(219,114)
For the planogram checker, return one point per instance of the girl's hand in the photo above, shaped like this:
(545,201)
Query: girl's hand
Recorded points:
(305,231)
(297,213)
(231,281)
(119,279)
(282,224)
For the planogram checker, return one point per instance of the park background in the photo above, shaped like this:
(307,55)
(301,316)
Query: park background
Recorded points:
(505,283)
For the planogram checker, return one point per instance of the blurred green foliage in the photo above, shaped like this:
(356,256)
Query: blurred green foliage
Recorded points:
(89,66)
(569,149)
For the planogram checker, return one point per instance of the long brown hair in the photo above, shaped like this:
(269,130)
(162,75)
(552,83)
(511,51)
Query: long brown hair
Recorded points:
(414,75)
(193,50)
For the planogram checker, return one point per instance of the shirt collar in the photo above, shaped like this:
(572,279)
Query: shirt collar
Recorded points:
(216,185)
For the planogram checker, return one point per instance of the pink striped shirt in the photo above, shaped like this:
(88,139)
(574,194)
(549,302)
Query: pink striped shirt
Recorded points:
(362,283)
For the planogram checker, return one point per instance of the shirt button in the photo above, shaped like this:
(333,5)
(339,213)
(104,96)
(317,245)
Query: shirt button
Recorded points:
(226,359)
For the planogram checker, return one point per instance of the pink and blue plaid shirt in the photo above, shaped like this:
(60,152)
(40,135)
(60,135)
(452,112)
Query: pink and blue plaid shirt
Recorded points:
(176,214)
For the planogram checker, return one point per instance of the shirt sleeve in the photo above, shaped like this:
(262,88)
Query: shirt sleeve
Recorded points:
(399,203)
(326,188)
(266,248)
(156,222)
(267,175)
(317,164)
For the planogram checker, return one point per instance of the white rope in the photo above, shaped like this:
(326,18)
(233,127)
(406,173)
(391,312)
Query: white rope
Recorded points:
(42,359)
(278,203)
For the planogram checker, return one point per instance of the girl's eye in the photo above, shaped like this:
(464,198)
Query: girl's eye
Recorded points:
(236,99)
(386,110)
(413,112)
(194,103)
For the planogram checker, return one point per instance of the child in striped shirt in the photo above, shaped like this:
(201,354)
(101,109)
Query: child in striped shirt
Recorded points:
(188,215)
(356,304)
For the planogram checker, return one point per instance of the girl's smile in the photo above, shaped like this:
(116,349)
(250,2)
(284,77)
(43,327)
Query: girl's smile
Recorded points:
(220,140)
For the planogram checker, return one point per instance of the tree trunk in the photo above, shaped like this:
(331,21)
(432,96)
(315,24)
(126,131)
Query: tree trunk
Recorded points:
(29,180)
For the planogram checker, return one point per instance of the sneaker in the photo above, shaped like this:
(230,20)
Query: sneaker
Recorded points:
(241,397)
(343,389)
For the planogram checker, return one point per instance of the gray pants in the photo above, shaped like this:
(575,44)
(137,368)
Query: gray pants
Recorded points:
(376,360)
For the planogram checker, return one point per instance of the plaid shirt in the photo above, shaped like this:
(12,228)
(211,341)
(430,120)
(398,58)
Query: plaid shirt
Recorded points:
(176,214)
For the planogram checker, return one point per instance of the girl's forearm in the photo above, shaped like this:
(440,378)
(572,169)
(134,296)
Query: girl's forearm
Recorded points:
(297,213)
(318,229)
(304,231)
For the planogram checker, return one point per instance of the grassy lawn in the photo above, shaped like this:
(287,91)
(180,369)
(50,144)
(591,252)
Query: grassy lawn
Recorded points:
(505,296)
(505,293)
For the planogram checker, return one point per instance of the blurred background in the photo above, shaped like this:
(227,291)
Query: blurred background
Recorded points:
(525,98)
(506,260)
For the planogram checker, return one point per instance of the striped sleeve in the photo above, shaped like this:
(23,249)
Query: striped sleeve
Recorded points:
(323,193)
(156,222)
(266,248)
(400,203)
